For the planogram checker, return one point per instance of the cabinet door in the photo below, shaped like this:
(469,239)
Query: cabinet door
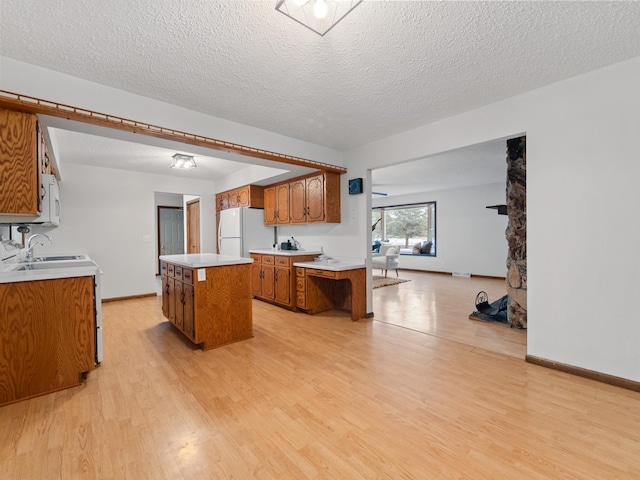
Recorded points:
(268,279)
(179,305)
(233,199)
(188,311)
(243,196)
(256,279)
(20,192)
(172,299)
(297,204)
(224,200)
(165,295)
(47,335)
(315,198)
(282,203)
(283,286)
(270,206)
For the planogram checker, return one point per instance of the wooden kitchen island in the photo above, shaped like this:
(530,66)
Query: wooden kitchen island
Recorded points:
(207,297)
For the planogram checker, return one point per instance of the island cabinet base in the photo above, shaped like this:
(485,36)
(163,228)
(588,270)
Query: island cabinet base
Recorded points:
(211,306)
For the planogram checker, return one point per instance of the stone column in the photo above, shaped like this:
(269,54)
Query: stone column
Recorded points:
(516,232)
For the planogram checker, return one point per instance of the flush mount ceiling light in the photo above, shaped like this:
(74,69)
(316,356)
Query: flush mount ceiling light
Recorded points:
(185,162)
(317,15)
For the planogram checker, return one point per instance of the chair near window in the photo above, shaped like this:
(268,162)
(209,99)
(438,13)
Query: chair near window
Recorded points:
(386,259)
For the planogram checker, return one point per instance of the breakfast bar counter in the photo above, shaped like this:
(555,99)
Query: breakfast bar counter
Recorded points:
(207,297)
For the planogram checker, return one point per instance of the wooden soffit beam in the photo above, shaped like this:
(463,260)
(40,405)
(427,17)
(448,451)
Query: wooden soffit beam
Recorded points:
(25,103)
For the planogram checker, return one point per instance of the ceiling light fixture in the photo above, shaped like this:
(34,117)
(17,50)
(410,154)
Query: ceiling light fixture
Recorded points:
(317,15)
(185,162)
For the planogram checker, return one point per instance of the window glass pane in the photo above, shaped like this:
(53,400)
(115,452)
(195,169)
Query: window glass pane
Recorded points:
(412,228)
(377,228)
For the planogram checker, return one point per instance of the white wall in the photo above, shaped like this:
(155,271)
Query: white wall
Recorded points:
(582,198)
(106,213)
(469,237)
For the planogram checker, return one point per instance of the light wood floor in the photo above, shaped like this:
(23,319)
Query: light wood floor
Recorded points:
(317,397)
(439,304)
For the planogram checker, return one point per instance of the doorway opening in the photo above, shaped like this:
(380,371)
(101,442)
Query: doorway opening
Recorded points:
(193,226)
(170,231)
(471,241)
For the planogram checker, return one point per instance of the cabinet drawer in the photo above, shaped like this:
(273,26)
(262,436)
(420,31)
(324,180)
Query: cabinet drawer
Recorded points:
(300,271)
(177,272)
(283,261)
(268,259)
(164,268)
(170,269)
(257,258)
(301,284)
(301,300)
(187,275)
(321,273)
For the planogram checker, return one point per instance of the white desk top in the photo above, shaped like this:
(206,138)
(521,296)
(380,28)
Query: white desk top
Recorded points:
(334,264)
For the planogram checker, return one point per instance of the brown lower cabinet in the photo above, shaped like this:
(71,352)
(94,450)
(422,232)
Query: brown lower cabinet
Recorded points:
(210,312)
(177,297)
(47,335)
(273,277)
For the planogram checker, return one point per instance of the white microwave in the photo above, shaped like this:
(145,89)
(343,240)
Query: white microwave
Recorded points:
(50,215)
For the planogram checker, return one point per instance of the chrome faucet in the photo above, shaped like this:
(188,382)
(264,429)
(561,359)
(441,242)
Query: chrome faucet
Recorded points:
(29,256)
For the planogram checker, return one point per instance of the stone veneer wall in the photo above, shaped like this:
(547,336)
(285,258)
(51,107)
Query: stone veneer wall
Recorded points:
(516,232)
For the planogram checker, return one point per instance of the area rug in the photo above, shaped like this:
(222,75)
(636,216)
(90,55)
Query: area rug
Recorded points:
(380,281)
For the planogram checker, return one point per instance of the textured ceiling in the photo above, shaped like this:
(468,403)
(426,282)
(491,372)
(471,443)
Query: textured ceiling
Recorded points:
(389,66)
(464,167)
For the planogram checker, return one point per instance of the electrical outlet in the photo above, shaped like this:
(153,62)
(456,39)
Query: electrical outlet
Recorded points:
(146,238)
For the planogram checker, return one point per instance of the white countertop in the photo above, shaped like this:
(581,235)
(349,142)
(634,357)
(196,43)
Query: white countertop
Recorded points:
(334,264)
(13,271)
(286,253)
(202,260)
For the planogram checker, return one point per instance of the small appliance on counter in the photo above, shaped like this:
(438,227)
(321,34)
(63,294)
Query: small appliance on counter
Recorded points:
(290,245)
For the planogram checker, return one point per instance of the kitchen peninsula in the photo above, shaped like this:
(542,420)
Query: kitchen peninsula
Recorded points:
(207,297)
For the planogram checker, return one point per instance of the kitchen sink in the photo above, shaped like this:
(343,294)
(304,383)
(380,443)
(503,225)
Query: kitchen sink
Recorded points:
(59,258)
(54,265)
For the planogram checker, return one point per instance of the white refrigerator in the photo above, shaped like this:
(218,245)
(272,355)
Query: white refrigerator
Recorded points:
(241,230)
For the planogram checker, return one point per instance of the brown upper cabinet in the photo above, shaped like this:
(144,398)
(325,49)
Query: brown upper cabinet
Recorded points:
(19,163)
(276,204)
(310,199)
(247,196)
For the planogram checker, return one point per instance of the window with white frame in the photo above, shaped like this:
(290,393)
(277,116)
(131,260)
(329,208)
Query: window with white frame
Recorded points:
(411,227)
